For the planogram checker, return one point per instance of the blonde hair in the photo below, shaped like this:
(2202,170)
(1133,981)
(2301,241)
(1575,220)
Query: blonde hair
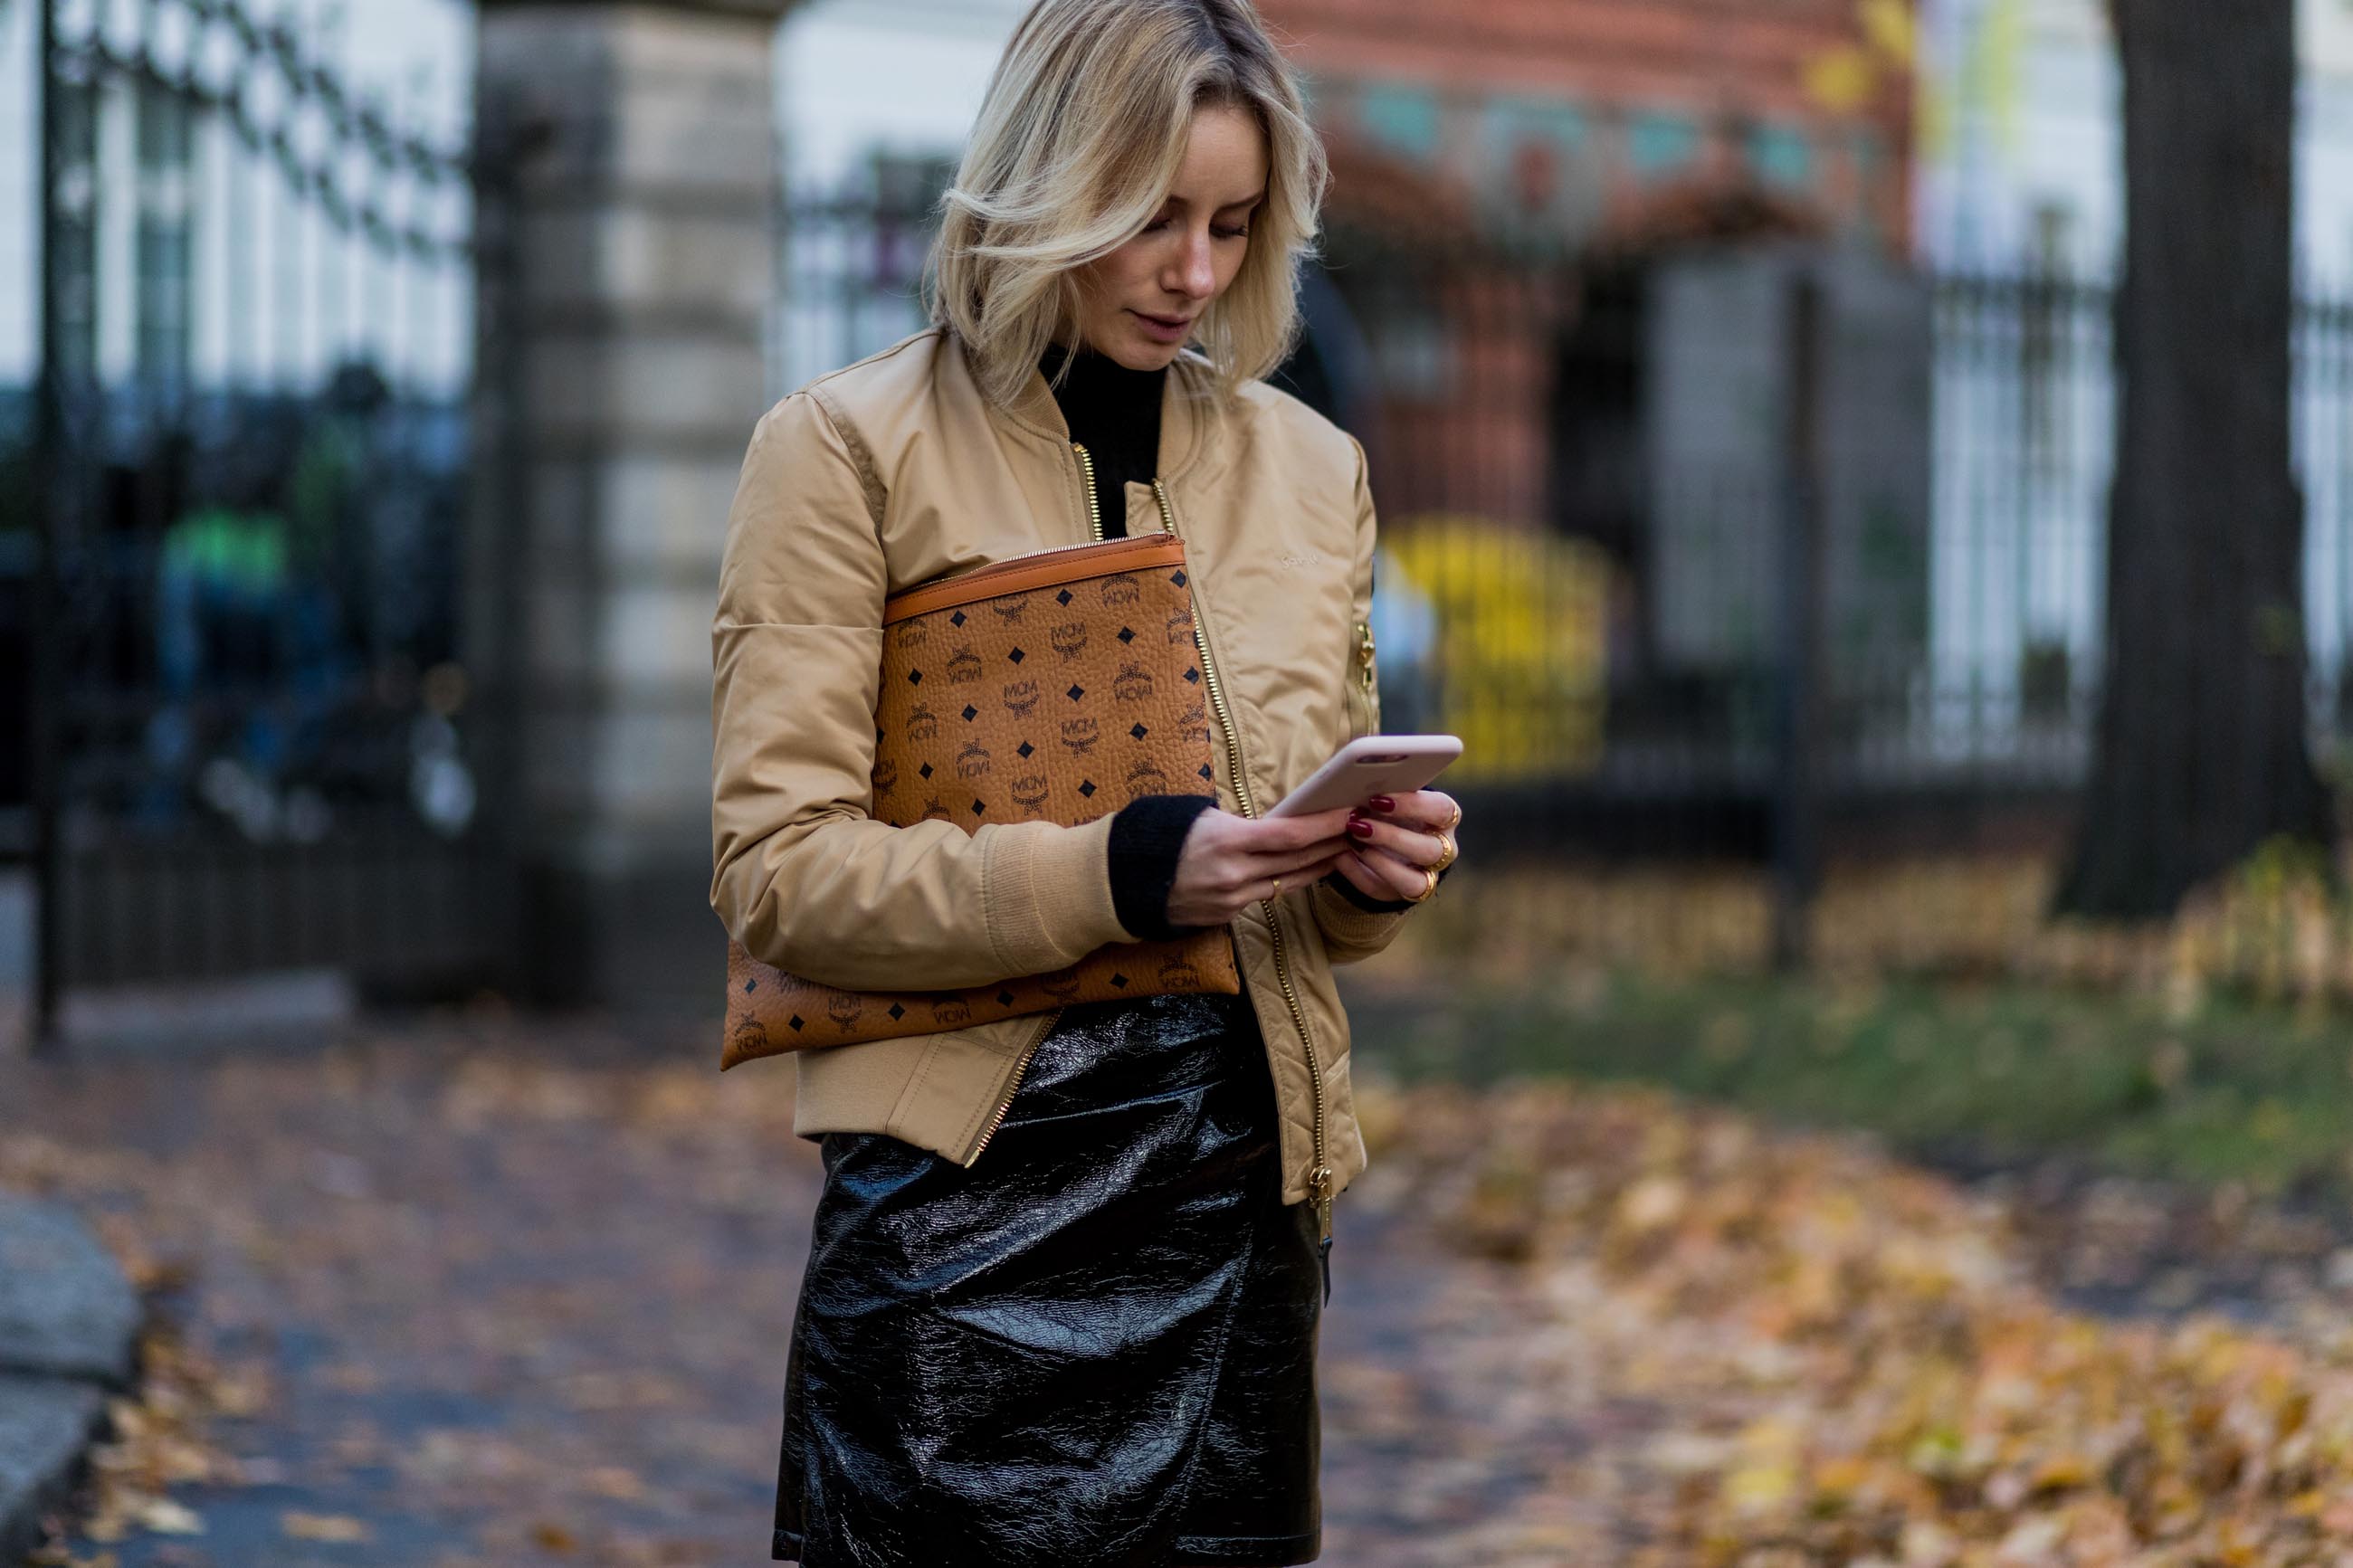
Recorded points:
(1079,139)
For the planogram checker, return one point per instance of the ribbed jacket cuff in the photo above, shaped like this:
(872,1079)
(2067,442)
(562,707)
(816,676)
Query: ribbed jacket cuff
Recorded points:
(1048,891)
(1147,836)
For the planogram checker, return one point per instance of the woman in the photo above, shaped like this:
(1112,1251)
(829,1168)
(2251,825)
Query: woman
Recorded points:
(1063,1293)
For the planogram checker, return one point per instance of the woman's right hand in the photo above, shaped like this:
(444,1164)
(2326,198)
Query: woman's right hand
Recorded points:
(1229,862)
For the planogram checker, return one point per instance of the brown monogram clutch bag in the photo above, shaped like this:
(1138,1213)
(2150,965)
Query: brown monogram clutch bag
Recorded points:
(1052,686)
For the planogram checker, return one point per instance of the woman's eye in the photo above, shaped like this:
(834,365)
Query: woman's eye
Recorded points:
(1232,233)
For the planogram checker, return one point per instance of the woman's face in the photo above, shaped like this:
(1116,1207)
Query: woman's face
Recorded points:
(1141,302)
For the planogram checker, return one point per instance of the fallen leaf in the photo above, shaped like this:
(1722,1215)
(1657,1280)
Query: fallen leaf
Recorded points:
(163,1517)
(301,1526)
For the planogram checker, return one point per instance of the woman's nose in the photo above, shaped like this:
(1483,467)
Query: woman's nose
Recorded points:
(1195,272)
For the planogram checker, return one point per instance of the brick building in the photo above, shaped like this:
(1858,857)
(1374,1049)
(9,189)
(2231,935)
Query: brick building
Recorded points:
(1507,174)
(1599,117)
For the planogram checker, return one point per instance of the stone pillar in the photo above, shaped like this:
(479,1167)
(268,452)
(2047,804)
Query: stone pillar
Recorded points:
(623,304)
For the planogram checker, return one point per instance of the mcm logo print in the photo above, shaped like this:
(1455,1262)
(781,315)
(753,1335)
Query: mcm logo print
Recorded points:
(951,1011)
(1120,588)
(922,724)
(1180,627)
(1177,974)
(1020,697)
(964,665)
(933,808)
(751,1037)
(1029,794)
(1132,684)
(886,777)
(914,633)
(973,761)
(843,1008)
(1080,735)
(1063,985)
(1069,638)
(1195,722)
(1010,610)
(1145,779)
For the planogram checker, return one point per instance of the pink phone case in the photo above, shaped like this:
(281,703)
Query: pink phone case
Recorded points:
(1370,765)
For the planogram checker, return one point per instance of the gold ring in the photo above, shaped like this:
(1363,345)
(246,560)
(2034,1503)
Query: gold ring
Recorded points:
(1447,853)
(1454,822)
(1429,888)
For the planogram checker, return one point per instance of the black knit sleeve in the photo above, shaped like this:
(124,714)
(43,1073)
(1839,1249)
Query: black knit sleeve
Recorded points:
(1147,835)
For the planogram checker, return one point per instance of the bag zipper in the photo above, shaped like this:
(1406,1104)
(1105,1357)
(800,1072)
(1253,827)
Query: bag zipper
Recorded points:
(1319,1179)
(1005,1102)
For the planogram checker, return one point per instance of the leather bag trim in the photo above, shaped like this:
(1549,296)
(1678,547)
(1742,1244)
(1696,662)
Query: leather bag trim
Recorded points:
(1044,569)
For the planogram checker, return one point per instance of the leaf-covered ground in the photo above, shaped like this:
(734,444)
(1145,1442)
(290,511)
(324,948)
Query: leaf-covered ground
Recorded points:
(1854,1363)
(490,1293)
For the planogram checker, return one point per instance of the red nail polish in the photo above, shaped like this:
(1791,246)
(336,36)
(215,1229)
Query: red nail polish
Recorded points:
(1382,803)
(1360,827)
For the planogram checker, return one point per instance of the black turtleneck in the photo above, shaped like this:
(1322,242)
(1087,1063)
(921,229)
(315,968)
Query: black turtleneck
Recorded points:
(1114,412)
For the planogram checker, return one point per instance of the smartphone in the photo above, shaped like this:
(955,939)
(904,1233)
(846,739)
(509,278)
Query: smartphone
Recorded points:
(1370,765)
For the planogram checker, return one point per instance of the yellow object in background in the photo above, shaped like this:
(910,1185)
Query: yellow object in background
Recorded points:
(1892,30)
(1843,79)
(1521,645)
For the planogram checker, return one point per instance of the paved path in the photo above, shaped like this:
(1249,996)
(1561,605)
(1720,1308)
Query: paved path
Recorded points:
(499,1295)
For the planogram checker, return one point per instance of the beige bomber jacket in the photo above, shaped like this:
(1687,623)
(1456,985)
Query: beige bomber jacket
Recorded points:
(897,469)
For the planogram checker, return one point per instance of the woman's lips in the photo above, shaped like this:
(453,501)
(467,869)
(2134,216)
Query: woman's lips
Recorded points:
(1164,329)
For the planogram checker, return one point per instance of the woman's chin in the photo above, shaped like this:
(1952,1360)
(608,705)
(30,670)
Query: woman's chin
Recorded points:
(1137,352)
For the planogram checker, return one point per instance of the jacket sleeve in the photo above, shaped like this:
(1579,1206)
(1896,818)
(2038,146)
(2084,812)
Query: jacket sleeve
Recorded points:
(802,874)
(1354,927)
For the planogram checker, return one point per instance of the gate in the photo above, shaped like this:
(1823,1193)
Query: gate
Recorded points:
(236,564)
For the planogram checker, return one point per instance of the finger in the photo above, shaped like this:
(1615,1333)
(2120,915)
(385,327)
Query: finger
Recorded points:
(1378,874)
(1413,846)
(1360,873)
(1272,834)
(1391,876)
(1293,878)
(1417,808)
(1246,875)
(1322,855)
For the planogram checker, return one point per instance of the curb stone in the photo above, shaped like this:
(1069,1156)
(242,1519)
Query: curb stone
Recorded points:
(47,1425)
(69,1323)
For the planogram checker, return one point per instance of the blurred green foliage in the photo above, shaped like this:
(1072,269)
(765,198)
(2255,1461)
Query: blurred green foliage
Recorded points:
(2231,1091)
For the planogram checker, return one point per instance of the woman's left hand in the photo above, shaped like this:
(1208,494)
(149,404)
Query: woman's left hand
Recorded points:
(1398,841)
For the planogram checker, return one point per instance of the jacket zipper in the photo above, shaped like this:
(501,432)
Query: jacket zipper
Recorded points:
(1319,1180)
(1005,1102)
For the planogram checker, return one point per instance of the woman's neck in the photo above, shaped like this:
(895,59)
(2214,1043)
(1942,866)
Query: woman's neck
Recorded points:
(1099,372)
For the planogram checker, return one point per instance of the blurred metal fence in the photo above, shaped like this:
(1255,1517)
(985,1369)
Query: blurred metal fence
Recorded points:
(1696,545)
(233,525)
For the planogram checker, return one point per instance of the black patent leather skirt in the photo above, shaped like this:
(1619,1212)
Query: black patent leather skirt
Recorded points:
(1096,1348)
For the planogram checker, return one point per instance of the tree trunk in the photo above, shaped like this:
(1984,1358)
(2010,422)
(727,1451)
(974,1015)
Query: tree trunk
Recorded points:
(2201,746)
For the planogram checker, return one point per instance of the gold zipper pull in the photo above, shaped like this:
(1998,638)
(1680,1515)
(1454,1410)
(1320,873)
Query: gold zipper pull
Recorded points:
(1319,1184)
(1365,655)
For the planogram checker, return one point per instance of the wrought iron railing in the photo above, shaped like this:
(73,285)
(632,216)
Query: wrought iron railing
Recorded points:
(236,570)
